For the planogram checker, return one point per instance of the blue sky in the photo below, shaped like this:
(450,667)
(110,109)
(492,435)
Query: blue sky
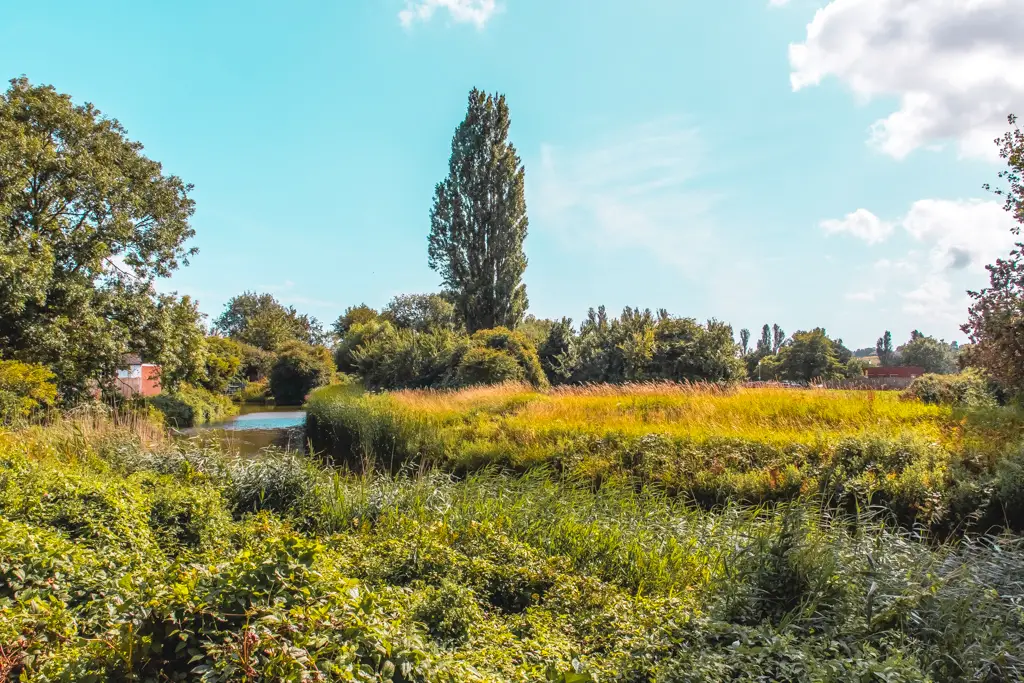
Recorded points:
(810,163)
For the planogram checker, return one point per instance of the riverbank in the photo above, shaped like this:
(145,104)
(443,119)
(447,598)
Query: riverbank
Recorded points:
(944,468)
(124,557)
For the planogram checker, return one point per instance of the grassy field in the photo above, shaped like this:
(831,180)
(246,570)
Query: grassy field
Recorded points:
(127,557)
(927,464)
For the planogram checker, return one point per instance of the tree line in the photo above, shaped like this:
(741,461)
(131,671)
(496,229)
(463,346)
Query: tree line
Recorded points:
(89,224)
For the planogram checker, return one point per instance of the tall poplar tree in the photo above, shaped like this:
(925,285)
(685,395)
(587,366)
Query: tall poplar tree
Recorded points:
(478,223)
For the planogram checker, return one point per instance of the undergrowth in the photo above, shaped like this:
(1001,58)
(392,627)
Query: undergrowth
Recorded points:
(935,465)
(127,557)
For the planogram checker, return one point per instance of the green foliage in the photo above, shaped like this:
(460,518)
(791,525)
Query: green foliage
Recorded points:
(496,356)
(559,353)
(254,392)
(969,389)
(188,406)
(924,464)
(478,222)
(223,362)
(87,224)
(24,388)
(422,313)
(995,324)
(636,346)
(884,350)
(299,369)
(387,357)
(353,315)
(261,321)
(118,563)
(255,363)
(934,355)
(809,356)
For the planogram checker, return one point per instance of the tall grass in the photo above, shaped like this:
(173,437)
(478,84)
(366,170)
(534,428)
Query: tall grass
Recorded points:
(127,560)
(926,464)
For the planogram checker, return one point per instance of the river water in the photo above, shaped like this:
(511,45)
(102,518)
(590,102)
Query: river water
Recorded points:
(255,429)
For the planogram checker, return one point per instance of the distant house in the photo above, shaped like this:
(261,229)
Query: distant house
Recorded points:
(902,372)
(136,378)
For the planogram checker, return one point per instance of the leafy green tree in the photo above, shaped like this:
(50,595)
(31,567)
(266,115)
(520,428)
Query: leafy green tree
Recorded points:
(809,356)
(177,342)
(884,350)
(995,324)
(559,354)
(745,341)
(687,351)
(778,337)
(422,312)
(24,387)
(536,329)
(490,356)
(223,363)
(934,355)
(299,369)
(261,321)
(353,315)
(764,344)
(478,221)
(87,224)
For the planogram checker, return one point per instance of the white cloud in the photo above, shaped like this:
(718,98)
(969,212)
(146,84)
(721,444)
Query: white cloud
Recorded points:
(477,12)
(956,67)
(870,294)
(862,224)
(778,3)
(953,241)
(633,191)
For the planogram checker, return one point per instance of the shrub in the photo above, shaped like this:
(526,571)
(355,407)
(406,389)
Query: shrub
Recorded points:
(223,361)
(299,369)
(496,356)
(256,363)
(390,358)
(189,406)
(481,365)
(969,389)
(254,392)
(24,387)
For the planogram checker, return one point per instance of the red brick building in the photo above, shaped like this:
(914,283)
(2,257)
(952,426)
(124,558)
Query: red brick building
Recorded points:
(137,378)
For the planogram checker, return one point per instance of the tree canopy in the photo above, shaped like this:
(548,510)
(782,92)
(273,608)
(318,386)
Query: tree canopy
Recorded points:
(995,324)
(261,321)
(478,222)
(87,224)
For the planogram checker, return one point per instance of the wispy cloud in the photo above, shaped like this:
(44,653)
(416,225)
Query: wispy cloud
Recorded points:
(953,240)
(476,12)
(634,190)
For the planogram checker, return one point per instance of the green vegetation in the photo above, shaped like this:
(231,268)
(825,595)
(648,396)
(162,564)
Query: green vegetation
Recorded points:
(87,223)
(24,388)
(926,464)
(299,369)
(478,223)
(189,406)
(969,389)
(120,561)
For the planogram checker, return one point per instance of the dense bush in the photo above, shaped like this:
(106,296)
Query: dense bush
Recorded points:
(254,392)
(118,563)
(223,362)
(496,356)
(392,358)
(969,389)
(299,369)
(256,363)
(24,387)
(189,406)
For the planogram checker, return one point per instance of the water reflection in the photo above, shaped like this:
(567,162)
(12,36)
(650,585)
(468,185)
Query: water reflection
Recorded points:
(256,428)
